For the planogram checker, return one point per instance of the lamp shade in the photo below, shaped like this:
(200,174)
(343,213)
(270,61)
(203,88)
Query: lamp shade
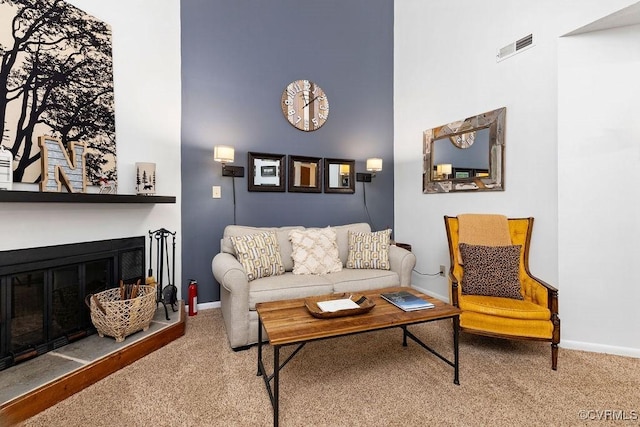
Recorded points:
(223,153)
(443,168)
(374,164)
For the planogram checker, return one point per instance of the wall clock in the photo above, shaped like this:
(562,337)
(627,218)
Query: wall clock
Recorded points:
(463,140)
(305,105)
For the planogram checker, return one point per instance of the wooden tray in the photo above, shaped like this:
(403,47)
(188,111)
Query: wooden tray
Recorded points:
(312,305)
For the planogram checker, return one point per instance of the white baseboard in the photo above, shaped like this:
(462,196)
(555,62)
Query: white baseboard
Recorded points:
(600,348)
(570,345)
(431,293)
(204,306)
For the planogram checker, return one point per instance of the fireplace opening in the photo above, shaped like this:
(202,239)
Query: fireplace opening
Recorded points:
(43,291)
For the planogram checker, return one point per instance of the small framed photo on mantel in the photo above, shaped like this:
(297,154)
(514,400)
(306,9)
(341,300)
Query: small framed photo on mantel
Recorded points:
(146,179)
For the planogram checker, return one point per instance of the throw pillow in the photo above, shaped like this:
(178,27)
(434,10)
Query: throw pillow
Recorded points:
(259,254)
(369,250)
(491,270)
(315,251)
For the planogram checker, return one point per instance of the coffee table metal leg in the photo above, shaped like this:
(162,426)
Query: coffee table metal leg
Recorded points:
(456,327)
(276,383)
(404,336)
(259,346)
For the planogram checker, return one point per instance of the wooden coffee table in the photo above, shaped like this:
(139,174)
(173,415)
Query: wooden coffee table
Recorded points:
(289,322)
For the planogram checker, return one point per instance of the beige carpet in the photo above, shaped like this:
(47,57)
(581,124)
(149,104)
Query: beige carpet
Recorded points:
(360,380)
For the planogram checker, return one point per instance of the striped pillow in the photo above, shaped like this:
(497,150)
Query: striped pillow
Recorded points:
(259,254)
(369,250)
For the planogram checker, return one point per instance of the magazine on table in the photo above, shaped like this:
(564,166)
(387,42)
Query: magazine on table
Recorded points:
(407,301)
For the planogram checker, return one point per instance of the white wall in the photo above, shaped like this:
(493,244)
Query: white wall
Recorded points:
(599,160)
(445,70)
(146,62)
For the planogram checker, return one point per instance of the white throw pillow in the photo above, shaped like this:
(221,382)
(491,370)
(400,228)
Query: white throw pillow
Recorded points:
(315,251)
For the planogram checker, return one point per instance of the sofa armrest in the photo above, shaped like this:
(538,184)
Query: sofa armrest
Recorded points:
(402,262)
(229,273)
(234,297)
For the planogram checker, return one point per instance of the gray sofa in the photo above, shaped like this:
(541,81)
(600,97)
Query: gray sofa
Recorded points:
(238,296)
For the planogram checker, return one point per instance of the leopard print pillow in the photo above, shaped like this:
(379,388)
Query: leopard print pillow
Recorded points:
(491,270)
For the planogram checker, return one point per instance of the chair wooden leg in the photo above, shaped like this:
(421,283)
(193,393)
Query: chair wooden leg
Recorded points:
(555,340)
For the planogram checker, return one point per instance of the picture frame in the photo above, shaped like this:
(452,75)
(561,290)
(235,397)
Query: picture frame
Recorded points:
(477,142)
(267,172)
(305,174)
(339,176)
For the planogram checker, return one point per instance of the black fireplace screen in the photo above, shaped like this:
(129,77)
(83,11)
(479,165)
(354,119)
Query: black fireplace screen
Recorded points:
(42,292)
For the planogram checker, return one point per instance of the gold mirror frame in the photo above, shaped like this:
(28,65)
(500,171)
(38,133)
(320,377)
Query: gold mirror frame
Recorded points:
(494,121)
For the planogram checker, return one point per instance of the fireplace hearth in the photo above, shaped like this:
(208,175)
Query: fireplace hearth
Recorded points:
(43,291)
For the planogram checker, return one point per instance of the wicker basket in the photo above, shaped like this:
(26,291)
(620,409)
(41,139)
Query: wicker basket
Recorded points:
(119,318)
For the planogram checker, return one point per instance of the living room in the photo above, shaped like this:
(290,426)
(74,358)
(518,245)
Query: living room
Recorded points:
(191,75)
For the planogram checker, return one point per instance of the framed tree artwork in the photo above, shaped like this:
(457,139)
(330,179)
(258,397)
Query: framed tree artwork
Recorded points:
(56,79)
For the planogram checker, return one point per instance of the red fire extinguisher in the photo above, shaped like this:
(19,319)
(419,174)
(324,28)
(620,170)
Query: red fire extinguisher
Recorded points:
(193,297)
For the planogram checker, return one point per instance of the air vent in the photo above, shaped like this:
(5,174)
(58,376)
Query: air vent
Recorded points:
(518,46)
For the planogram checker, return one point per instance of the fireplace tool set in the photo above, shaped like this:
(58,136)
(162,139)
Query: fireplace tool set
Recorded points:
(165,295)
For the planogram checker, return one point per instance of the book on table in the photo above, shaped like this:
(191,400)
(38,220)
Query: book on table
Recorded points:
(407,301)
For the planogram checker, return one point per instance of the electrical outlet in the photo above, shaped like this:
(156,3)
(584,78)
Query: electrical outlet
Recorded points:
(216,192)
(442,269)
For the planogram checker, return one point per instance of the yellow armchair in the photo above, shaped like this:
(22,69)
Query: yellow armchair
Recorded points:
(535,317)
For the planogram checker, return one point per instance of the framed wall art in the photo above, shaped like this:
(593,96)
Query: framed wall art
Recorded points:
(68,53)
(266,172)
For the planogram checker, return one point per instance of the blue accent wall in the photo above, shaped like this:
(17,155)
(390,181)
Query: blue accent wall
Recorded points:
(237,58)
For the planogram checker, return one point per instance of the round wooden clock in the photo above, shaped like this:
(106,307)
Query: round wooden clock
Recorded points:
(305,105)
(463,140)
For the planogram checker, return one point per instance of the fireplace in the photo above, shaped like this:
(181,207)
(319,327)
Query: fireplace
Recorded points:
(42,292)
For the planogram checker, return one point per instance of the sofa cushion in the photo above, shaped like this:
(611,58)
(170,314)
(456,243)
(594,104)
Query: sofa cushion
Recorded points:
(491,270)
(349,280)
(288,286)
(315,251)
(369,250)
(504,307)
(259,254)
(282,234)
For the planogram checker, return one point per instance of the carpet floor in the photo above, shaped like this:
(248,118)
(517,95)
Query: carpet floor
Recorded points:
(361,380)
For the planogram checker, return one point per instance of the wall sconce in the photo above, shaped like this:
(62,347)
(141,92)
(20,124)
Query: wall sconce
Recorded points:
(443,170)
(374,164)
(226,154)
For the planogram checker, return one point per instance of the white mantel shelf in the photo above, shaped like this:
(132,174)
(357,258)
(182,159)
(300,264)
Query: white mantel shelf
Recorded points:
(50,197)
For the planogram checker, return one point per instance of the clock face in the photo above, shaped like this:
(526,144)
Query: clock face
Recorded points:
(305,105)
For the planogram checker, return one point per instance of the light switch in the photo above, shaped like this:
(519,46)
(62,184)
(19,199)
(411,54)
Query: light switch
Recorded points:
(216,192)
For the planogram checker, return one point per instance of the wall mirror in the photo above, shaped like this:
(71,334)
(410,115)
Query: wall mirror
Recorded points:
(266,172)
(339,176)
(466,155)
(304,174)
